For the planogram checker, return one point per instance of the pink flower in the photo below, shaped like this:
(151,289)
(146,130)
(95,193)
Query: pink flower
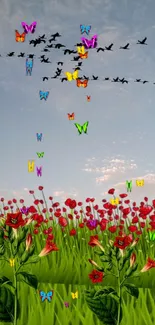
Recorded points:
(28,241)
(149,265)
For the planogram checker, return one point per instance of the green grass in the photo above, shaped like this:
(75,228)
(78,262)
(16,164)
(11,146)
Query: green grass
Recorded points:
(66,271)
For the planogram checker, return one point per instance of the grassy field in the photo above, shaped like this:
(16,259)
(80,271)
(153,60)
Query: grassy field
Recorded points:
(66,271)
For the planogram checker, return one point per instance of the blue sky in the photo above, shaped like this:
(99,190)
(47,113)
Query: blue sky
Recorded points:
(120,141)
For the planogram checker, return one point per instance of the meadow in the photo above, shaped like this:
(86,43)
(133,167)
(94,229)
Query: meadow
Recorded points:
(67,270)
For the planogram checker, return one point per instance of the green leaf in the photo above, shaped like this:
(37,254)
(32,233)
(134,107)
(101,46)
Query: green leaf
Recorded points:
(104,304)
(4,280)
(105,259)
(132,290)
(29,279)
(6,305)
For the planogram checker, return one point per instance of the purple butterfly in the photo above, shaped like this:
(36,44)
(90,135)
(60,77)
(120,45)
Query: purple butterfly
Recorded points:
(89,43)
(28,28)
(66,304)
(39,171)
(92,224)
(24,210)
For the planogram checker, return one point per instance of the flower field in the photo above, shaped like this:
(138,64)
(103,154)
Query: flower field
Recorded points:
(77,263)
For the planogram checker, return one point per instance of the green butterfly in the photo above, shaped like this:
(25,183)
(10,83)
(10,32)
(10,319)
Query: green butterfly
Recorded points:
(152,235)
(82,128)
(40,154)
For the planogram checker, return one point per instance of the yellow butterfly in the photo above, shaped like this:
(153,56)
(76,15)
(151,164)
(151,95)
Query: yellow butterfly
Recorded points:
(72,76)
(114,201)
(81,50)
(140,182)
(74,295)
(12,262)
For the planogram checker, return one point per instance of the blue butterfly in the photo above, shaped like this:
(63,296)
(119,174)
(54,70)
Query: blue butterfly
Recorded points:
(85,29)
(39,136)
(44,295)
(29,66)
(43,94)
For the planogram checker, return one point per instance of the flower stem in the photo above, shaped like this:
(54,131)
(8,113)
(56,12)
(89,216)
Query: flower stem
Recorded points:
(15,299)
(119,295)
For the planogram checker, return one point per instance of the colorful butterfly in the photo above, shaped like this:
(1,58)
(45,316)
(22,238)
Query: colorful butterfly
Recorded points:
(85,29)
(80,83)
(82,128)
(40,154)
(19,37)
(84,56)
(81,49)
(114,201)
(66,304)
(129,186)
(88,98)
(72,76)
(43,94)
(12,262)
(29,66)
(140,182)
(31,166)
(74,295)
(46,296)
(24,210)
(28,28)
(71,116)
(89,43)
(39,171)
(39,136)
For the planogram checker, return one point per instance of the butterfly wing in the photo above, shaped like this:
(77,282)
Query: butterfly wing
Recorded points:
(87,29)
(75,74)
(86,42)
(42,295)
(73,295)
(46,95)
(94,41)
(41,94)
(69,76)
(82,27)
(85,127)
(17,36)
(79,127)
(50,296)
(25,26)
(32,27)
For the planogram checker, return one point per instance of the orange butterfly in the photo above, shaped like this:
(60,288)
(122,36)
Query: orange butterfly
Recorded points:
(80,83)
(83,56)
(71,116)
(20,37)
(88,98)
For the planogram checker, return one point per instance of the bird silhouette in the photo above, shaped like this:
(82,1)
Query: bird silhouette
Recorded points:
(63,79)
(76,58)
(45,60)
(45,78)
(100,49)
(124,81)
(11,54)
(138,80)
(50,46)
(60,63)
(145,81)
(45,50)
(86,78)
(31,56)
(58,46)
(21,55)
(53,37)
(69,51)
(115,79)
(109,48)
(94,78)
(107,78)
(142,42)
(126,47)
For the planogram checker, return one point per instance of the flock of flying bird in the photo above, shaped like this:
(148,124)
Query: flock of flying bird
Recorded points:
(77,59)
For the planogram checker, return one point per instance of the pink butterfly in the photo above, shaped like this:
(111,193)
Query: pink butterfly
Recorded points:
(89,43)
(28,28)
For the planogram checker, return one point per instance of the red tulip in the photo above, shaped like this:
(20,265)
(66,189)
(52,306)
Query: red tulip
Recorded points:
(62,221)
(14,220)
(112,229)
(28,241)
(49,247)
(132,228)
(149,265)
(111,191)
(72,232)
(40,188)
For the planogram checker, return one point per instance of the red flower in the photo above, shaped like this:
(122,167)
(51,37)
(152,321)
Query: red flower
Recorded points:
(152,217)
(87,200)
(72,204)
(127,201)
(50,198)
(36,202)
(123,195)
(49,247)
(2,199)
(153,203)
(92,241)
(35,231)
(72,232)
(32,209)
(40,188)
(145,210)
(28,241)
(14,201)
(88,208)
(132,228)
(67,202)
(63,222)
(9,202)
(81,225)
(112,229)
(135,220)
(15,220)
(149,265)
(79,204)
(146,199)
(111,191)
(96,276)
(31,192)
(55,205)
(122,242)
